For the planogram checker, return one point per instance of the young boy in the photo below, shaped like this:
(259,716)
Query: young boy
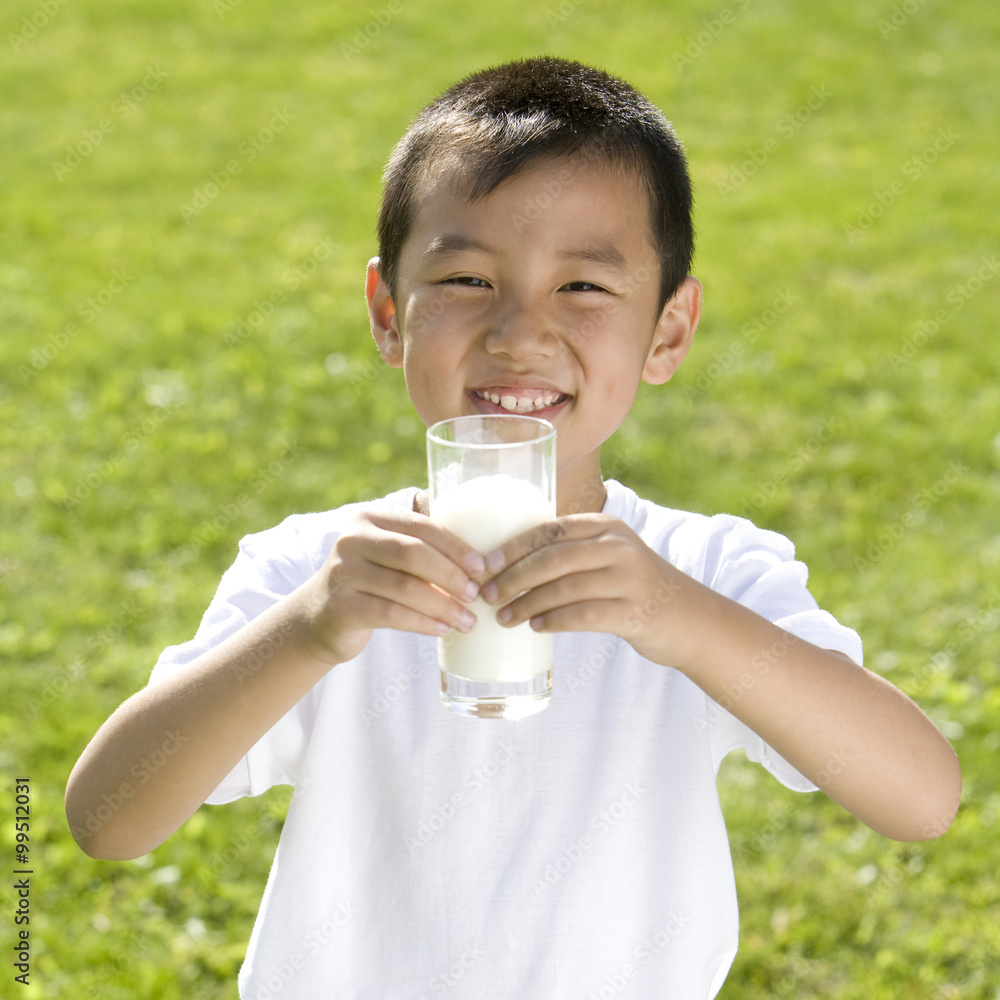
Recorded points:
(535,240)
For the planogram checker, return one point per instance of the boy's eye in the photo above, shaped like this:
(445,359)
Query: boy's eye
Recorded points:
(583,286)
(467,280)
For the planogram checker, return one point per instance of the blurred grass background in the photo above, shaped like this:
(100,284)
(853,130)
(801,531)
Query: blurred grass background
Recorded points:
(187,203)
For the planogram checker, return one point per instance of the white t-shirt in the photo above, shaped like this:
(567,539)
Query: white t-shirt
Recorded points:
(579,853)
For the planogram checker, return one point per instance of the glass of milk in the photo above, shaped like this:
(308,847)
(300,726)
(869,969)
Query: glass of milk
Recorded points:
(492,477)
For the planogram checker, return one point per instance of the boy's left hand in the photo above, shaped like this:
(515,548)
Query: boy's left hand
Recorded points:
(592,573)
(814,707)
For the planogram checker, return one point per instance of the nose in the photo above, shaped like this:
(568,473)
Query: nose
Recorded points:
(521,331)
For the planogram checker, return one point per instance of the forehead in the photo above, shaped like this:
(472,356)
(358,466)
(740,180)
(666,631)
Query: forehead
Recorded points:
(547,200)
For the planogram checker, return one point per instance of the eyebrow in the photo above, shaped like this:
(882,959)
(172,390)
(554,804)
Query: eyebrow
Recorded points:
(599,253)
(452,243)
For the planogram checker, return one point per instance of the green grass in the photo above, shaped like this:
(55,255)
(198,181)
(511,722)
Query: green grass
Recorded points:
(173,379)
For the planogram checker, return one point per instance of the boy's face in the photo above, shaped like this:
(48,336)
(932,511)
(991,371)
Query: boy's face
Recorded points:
(538,298)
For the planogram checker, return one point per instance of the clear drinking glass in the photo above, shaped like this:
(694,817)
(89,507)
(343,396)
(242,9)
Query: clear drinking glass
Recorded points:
(492,477)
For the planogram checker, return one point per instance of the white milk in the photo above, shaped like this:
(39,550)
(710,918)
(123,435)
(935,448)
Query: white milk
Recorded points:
(486,512)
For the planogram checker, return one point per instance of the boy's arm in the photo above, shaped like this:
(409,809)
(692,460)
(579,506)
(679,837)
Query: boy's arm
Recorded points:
(849,731)
(162,752)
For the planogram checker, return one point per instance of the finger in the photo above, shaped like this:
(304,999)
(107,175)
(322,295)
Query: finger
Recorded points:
(585,596)
(606,551)
(381,612)
(434,534)
(590,616)
(568,528)
(429,555)
(415,595)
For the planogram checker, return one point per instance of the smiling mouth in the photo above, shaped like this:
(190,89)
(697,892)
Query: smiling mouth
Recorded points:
(520,400)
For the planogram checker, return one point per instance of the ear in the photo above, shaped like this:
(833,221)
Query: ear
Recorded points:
(383,317)
(674,333)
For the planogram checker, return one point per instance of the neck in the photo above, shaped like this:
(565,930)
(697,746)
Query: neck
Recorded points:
(580,494)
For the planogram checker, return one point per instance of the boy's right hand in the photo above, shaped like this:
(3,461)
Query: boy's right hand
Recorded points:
(390,569)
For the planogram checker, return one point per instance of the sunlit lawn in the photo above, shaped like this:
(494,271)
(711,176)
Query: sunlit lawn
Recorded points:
(187,201)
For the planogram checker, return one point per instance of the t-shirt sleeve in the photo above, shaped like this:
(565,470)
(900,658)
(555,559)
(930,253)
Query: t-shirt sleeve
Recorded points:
(269,566)
(758,569)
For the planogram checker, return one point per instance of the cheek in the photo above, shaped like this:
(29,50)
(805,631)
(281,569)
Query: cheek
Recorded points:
(618,375)
(424,399)
(620,397)
(432,377)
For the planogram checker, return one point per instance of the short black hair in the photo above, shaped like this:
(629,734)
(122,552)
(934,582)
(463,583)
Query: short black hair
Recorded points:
(499,120)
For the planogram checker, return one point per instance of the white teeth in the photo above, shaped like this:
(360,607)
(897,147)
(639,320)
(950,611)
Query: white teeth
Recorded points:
(520,404)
